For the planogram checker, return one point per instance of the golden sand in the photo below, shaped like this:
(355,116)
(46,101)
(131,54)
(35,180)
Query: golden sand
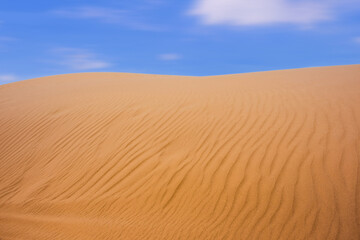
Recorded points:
(270,155)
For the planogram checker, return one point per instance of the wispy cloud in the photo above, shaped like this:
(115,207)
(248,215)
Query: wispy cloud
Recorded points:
(78,59)
(98,13)
(122,17)
(6,78)
(169,56)
(357,40)
(4,41)
(264,12)
(7,39)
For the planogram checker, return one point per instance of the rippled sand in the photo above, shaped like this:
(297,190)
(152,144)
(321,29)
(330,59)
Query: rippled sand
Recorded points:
(271,155)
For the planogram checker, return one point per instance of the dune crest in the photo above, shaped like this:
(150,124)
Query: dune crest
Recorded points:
(270,155)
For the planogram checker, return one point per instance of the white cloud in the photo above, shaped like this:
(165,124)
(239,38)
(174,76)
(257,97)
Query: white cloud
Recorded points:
(7,39)
(4,41)
(102,14)
(265,12)
(169,56)
(122,17)
(79,59)
(8,78)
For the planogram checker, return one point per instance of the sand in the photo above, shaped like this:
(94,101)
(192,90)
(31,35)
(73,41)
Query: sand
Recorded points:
(269,155)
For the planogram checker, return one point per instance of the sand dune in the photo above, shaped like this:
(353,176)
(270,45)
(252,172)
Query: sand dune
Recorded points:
(271,155)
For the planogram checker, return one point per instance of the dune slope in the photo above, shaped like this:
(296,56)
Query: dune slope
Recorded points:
(271,155)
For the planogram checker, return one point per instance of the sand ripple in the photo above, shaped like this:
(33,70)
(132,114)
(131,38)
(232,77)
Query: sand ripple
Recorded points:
(273,155)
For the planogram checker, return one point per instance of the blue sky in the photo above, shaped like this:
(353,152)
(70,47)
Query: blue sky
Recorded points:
(188,37)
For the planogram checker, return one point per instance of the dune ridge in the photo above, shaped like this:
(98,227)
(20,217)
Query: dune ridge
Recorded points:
(268,155)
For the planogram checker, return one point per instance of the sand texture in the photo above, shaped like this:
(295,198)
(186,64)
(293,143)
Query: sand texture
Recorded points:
(270,155)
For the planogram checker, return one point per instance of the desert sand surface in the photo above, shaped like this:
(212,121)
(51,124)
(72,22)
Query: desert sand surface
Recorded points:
(268,155)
